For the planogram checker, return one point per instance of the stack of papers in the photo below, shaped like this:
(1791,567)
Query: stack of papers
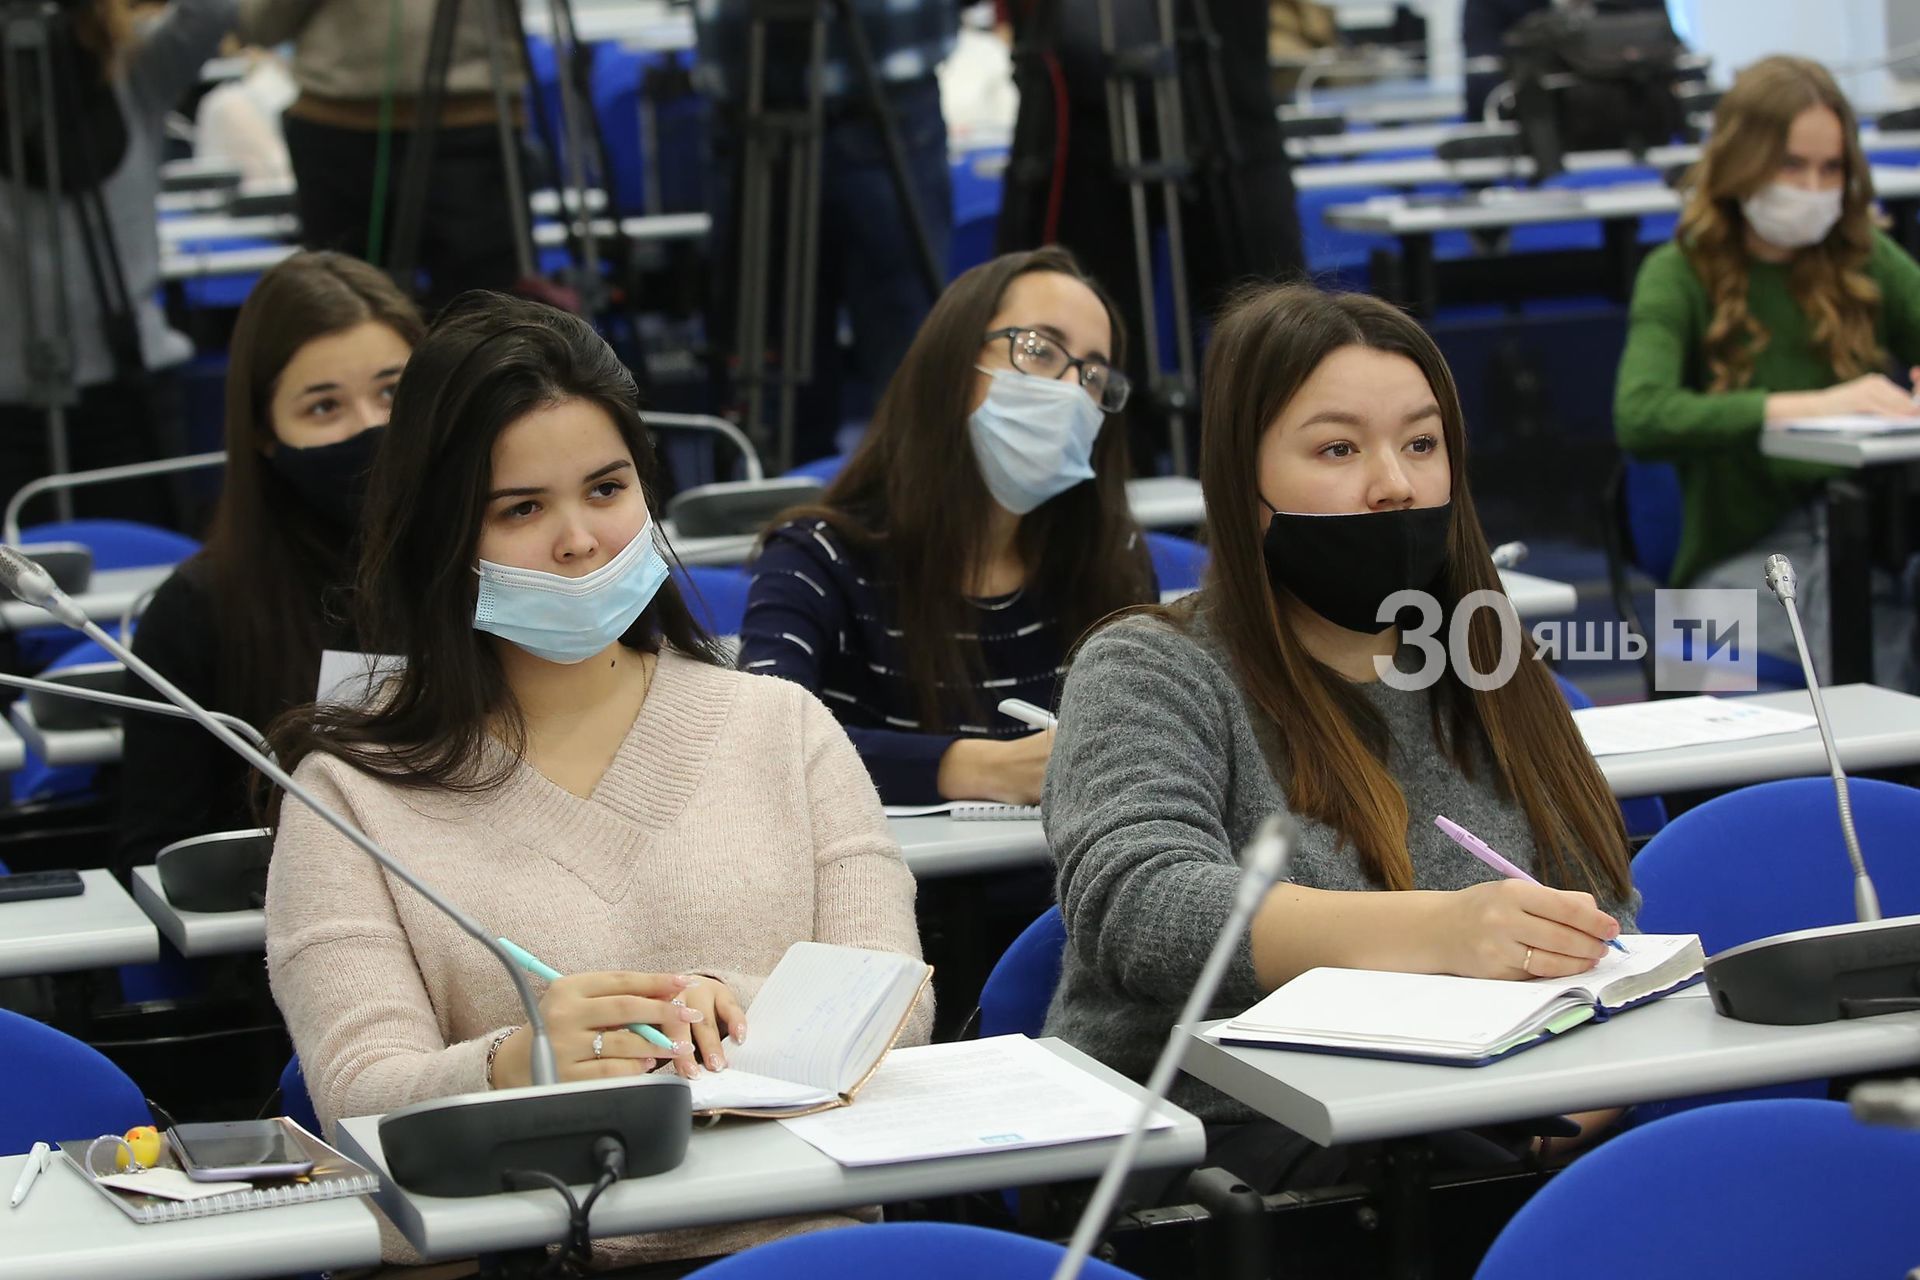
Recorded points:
(1001,1094)
(1855,424)
(1681,722)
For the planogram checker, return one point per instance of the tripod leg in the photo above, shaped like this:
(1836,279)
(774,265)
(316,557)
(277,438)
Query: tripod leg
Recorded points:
(753,210)
(509,145)
(404,254)
(931,269)
(573,104)
(803,246)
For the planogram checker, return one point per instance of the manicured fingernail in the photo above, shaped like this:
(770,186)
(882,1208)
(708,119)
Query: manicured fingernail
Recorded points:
(688,980)
(691,1015)
(719,1063)
(682,1047)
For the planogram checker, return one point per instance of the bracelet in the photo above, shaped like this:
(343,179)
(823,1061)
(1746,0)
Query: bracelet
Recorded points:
(493,1049)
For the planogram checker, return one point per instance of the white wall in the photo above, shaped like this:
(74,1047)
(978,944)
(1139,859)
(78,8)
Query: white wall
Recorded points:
(1841,33)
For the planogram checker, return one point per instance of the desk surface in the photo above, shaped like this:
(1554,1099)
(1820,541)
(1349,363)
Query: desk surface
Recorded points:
(198,933)
(1672,1048)
(936,845)
(743,1170)
(67,1231)
(1538,597)
(1858,452)
(98,927)
(108,596)
(63,746)
(1873,728)
(13,752)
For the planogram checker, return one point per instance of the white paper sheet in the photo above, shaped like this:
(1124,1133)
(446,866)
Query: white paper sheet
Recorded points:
(1681,722)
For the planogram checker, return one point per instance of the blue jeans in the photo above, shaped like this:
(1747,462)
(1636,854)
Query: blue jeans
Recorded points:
(868,263)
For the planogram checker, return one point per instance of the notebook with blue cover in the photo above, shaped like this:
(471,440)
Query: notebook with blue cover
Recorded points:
(1468,1022)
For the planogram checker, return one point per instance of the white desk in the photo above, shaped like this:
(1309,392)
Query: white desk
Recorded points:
(1413,137)
(97,928)
(936,845)
(1873,728)
(746,1170)
(64,746)
(1852,451)
(1538,597)
(66,1230)
(107,598)
(1673,1048)
(1429,170)
(198,933)
(13,752)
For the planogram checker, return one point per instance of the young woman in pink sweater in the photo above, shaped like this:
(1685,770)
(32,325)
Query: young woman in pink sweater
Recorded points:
(565,756)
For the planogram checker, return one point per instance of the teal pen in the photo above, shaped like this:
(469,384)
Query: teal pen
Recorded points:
(541,969)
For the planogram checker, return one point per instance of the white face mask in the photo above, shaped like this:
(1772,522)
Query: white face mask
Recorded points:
(1033,437)
(568,620)
(1788,217)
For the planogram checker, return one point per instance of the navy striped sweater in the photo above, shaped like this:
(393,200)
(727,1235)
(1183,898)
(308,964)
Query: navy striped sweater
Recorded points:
(821,615)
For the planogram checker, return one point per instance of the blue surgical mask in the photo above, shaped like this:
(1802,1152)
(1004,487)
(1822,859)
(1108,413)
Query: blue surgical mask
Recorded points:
(566,619)
(1033,437)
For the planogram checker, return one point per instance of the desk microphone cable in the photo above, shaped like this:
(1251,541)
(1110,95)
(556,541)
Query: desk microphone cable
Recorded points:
(576,1256)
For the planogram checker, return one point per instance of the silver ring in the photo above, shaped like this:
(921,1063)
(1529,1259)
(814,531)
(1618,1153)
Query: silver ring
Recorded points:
(1526,967)
(678,1000)
(600,1038)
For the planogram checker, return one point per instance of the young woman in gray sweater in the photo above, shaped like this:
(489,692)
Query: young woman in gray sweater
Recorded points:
(1334,465)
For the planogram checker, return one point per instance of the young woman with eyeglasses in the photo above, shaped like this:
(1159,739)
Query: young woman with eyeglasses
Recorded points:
(979,530)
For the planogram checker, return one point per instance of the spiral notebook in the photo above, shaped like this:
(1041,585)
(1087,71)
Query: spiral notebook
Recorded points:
(969,811)
(333,1176)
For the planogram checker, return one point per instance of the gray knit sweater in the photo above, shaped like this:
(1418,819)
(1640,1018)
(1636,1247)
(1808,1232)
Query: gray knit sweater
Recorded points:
(1158,777)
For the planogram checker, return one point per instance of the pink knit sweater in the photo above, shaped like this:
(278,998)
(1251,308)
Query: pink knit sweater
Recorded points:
(735,819)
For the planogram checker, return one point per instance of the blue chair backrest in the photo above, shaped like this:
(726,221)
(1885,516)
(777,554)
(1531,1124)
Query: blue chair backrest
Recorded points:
(117,544)
(1770,858)
(825,470)
(1178,562)
(1651,501)
(59,1088)
(1016,994)
(295,1102)
(717,595)
(887,1251)
(1774,1189)
(1644,815)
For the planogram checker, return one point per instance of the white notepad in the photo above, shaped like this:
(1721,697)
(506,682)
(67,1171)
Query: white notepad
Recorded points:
(1466,1021)
(1681,722)
(1005,1093)
(969,811)
(1853,424)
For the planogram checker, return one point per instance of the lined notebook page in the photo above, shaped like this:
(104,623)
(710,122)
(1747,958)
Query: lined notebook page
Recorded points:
(815,1007)
(1386,1008)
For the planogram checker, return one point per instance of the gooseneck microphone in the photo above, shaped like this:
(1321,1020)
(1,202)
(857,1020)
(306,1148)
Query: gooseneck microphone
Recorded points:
(452,1146)
(107,698)
(1782,581)
(1263,861)
(1509,554)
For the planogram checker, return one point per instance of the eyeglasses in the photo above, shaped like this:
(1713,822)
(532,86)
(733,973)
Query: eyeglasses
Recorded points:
(1036,354)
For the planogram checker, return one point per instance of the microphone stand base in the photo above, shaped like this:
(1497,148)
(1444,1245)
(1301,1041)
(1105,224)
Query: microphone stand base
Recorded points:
(1819,975)
(465,1145)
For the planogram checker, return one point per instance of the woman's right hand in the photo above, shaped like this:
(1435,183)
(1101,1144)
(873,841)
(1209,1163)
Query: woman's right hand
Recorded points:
(1009,770)
(577,1007)
(1513,929)
(1872,393)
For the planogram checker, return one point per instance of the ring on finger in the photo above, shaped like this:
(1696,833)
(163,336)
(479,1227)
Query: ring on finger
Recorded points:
(1526,964)
(599,1042)
(678,1000)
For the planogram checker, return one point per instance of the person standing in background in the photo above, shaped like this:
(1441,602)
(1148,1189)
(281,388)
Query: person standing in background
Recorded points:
(359,65)
(868,262)
(122,78)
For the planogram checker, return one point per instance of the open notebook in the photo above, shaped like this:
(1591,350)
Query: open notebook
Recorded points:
(1428,1017)
(165,1193)
(824,1018)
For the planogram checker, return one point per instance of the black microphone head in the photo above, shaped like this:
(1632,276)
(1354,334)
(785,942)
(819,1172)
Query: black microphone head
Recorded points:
(23,578)
(1780,577)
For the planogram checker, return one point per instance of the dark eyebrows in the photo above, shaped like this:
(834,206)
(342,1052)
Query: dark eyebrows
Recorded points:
(1048,331)
(391,371)
(1341,418)
(534,491)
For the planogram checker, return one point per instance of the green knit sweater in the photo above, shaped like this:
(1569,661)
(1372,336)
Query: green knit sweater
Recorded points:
(1731,494)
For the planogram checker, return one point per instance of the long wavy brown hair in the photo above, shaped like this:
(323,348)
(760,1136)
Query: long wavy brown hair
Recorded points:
(1828,280)
(1332,765)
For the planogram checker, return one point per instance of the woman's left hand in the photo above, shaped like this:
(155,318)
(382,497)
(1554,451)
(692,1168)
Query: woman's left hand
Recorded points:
(721,1016)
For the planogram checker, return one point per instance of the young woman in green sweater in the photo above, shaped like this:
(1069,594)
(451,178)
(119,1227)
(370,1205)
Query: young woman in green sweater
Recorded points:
(1777,300)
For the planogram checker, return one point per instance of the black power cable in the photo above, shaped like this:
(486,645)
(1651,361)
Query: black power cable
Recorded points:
(576,1255)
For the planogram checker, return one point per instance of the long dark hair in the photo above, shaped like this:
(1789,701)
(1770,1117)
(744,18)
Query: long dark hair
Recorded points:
(489,361)
(913,494)
(277,564)
(1266,345)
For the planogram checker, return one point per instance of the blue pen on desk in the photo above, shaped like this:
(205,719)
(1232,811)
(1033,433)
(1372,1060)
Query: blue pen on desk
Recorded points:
(1479,848)
(541,969)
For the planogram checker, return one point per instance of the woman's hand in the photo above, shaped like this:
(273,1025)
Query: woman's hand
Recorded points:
(1512,929)
(1009,770)
(718,1015)
(584,1005)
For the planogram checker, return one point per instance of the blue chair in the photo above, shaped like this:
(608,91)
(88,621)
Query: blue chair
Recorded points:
(1769,859)
(295,1102)
(36,781)
(825,470)
(1179,563)
(886,1251)
(1015,996)
(1644,815)
(1757,1189)
(717,595)
(59,1088)
(116,544)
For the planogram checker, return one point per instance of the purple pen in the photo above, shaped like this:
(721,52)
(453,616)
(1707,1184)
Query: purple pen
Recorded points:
(1479,848)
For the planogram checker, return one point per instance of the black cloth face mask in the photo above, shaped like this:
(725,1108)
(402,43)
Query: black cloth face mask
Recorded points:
(331,478)
(1343,566)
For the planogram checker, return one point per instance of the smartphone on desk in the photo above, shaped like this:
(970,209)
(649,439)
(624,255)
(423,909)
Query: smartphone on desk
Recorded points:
(238,1151)
(26,886)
